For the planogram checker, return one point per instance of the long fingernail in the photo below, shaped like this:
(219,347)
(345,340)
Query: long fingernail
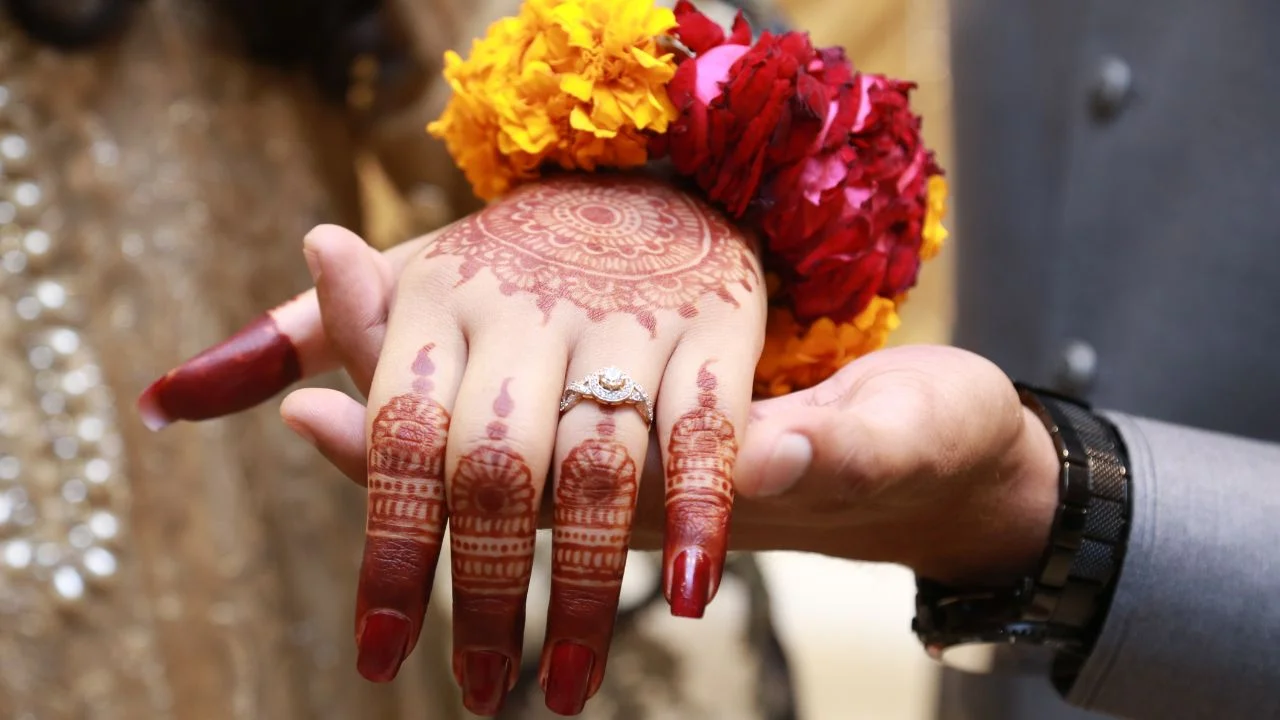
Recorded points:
(792,455)
(690,584)
(484,681)
(569,677)
(383,642)
(149,409)
(246,369)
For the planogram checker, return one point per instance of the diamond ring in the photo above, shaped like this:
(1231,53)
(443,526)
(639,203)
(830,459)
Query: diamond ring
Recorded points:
(609,386)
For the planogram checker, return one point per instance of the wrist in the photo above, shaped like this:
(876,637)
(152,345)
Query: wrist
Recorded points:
(1062,602)
(1005,524)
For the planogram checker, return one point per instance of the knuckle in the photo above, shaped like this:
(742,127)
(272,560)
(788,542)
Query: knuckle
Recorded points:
(468,604)
(597,472)
(585,603)
(697,520)
(870,456)
(426,276)
(860,470)
(398,561)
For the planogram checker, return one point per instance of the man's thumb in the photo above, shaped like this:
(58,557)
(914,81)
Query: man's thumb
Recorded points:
(779,449)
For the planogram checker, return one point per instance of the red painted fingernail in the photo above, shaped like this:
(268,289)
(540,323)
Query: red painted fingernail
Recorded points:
(237,374)
(484,681)
(153,416)
(383,642)
(569,677)
(690,584)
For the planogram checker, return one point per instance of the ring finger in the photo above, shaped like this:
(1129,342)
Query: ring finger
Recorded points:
(600,450)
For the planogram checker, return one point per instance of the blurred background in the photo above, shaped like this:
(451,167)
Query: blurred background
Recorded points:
(207,572)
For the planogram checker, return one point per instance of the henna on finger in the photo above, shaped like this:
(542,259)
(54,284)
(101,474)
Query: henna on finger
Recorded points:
(263,358)
(406,519)
(494,519)
(595,500)
(699,501)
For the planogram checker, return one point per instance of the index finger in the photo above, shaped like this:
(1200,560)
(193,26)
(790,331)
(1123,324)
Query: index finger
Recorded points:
(406,502)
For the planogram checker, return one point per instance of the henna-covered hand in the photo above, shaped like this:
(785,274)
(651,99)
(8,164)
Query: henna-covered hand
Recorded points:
(556,281)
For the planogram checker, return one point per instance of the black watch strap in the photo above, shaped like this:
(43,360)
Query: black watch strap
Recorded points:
(1061,606)
(1089,531)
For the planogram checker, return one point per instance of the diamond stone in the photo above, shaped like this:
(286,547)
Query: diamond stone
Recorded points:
(612,378)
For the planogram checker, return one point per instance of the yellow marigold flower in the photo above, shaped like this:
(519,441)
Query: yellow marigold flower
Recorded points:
(934,234)
(575,83)
(796,357)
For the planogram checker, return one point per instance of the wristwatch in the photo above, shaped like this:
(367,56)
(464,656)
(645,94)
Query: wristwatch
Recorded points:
(1061,606)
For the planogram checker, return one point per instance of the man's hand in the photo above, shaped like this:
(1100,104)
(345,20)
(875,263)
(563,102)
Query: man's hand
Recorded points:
(916,455)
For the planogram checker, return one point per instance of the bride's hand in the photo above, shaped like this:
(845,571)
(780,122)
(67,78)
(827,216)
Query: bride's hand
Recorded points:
(549,286)
(490,320)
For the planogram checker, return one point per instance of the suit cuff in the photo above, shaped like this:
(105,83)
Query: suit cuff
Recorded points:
(1193,624)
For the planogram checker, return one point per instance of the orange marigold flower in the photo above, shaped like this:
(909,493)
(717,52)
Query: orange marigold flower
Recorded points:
(796,357)
(575,83)
(934,234)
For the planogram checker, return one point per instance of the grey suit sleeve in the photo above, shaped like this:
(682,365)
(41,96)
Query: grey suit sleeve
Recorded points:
(1194,628)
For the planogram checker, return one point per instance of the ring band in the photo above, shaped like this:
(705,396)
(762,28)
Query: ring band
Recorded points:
(609,386)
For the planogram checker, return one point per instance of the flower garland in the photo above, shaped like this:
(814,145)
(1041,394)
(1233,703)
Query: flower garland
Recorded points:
(826,162)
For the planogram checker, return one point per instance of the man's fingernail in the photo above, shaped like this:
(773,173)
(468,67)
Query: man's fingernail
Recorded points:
(309,254)
(690,583)
(484,681)
(383,642)
(569,677)
(300,430)
(791,458)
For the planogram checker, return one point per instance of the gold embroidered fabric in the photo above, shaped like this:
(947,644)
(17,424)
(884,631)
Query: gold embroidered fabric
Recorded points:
(153,197)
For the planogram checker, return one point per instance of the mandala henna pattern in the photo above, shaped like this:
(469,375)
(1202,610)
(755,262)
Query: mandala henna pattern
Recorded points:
(608,245)
(494,514)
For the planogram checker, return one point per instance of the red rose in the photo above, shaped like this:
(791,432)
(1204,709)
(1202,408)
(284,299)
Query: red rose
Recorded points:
(830,161)
(873,167)
(838,286)
(700,33)
(745,111)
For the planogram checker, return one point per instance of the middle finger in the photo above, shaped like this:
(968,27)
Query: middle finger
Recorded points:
(497,459)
